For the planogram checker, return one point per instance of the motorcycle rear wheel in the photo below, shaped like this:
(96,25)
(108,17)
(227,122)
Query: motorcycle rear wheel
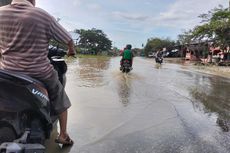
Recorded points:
(7,134)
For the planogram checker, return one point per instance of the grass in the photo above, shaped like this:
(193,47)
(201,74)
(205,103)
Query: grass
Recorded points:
(213,69)
(93,56)
(223,71)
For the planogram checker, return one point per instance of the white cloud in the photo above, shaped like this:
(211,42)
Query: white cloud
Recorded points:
(77,2)
(133,20)
(184,13)
(95,7)
(129,16)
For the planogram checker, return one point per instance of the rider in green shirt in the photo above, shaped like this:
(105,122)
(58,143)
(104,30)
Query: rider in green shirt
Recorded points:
(127,54)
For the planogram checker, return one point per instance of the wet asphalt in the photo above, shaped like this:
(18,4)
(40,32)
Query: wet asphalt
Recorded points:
(168,108)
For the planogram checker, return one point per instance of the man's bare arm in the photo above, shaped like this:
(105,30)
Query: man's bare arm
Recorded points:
(71,51)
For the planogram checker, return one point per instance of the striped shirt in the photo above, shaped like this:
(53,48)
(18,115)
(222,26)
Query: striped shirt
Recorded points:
(25,32)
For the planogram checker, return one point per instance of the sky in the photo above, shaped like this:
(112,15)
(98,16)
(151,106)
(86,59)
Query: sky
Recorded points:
(130,21)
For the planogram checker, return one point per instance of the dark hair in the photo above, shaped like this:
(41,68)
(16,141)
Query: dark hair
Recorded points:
(128,46)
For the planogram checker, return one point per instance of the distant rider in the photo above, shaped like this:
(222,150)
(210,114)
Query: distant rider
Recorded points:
(159,56)
(127,55)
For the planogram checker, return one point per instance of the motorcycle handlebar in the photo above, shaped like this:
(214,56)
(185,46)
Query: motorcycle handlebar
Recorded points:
(59,53)
(56,52)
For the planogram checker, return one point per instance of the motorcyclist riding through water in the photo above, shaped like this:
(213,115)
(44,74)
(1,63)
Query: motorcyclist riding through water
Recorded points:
(127,55)
(159,56)
(24,40)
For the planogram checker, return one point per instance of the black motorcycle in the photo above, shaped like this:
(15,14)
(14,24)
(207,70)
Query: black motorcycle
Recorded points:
(159,60)
(126,66)
(26,118)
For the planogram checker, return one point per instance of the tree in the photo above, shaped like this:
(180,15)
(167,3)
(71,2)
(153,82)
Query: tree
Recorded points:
(94,40)
(137,51)
(216,26)
(185,38)
(155,44)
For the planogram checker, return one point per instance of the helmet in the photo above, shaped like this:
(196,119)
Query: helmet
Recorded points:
(128,46)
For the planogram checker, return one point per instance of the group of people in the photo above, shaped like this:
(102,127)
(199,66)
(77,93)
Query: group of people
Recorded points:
(224,54)
(221,54)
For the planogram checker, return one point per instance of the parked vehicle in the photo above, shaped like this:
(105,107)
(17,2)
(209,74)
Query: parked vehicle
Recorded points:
(151,55)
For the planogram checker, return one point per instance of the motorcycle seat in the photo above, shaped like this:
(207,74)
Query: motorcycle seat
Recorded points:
(20,76)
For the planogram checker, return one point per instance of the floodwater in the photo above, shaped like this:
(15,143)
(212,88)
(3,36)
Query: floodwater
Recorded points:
(154,109)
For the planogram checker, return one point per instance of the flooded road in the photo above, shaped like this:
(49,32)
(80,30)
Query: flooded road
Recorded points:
(153,109)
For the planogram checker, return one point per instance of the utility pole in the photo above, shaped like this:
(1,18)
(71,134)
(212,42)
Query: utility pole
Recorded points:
(229,5)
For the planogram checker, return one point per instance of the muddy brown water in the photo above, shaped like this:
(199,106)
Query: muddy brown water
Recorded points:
(165,108)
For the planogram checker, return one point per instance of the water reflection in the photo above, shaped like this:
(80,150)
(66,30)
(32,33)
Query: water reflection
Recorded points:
(91,71)
(157,66)
(145,108)
(214,95)
(124,87)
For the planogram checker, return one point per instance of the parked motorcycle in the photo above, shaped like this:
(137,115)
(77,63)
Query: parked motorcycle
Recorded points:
(126,66)
(26,119)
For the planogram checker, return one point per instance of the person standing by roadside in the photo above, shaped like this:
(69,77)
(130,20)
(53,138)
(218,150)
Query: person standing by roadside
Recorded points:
(25,32)
(227,53)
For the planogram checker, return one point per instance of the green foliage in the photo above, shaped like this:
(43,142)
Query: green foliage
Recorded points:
(93,56)
(137,51)
(185,38)
(54,43)
(93,40)
(155,44)
(57,44)
(216,26)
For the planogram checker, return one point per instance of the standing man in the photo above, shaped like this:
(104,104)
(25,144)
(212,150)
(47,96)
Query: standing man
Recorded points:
(25,32)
